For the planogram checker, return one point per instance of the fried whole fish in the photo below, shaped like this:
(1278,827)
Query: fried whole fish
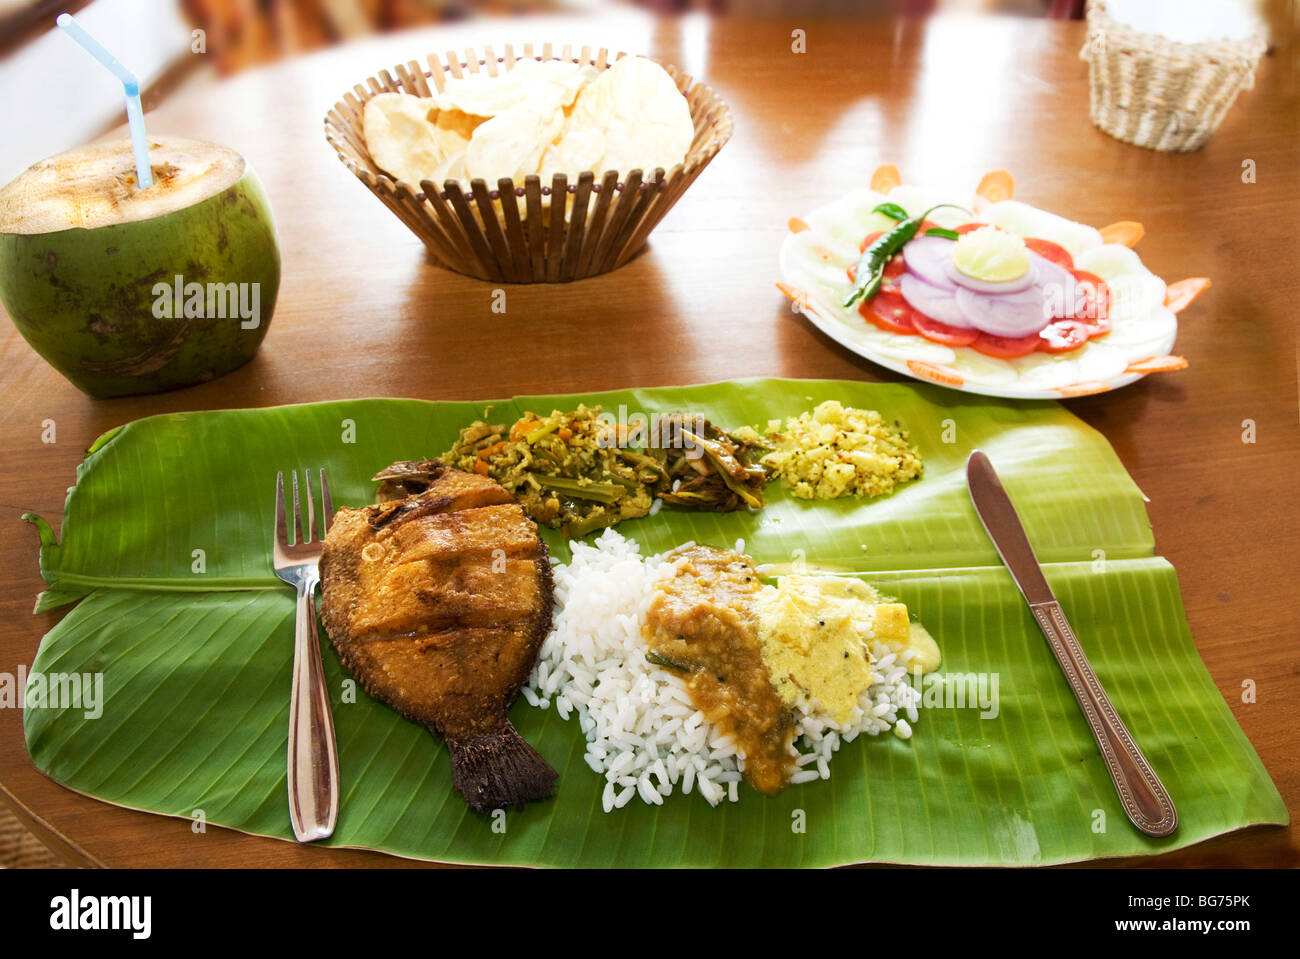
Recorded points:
(438,602)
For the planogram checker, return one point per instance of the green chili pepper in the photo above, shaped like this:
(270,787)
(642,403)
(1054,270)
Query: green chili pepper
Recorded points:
(871,267)
(946,234)
(659,659)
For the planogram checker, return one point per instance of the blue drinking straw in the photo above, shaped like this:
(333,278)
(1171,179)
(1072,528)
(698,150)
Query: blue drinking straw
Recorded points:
(134,112)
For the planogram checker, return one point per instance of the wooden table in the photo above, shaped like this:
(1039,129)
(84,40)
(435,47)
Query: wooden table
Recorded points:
(363,312)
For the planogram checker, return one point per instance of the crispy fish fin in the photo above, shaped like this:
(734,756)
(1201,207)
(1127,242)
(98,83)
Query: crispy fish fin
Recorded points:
(499,769)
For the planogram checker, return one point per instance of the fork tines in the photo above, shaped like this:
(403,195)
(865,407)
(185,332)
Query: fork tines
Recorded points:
(281,519)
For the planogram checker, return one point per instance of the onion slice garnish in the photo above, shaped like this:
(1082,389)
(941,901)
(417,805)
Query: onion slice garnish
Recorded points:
(1013,315)
(927,258)
(935,303)
(1058,286)
(1015,308)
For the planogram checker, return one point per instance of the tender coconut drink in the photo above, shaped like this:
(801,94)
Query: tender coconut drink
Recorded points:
(127,291)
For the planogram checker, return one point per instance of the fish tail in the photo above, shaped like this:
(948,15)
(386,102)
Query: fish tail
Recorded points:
(499,769)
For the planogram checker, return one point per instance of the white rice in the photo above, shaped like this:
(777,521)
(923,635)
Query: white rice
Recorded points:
(643,734)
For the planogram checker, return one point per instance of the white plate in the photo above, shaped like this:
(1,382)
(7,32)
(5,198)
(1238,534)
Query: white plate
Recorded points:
(813,264)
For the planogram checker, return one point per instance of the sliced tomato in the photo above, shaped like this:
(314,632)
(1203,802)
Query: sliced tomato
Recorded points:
(1006,347)
(869,239)
(889,311)
(1094,311)
(1062,336)
(937,332)
(970,227)
(1051,251)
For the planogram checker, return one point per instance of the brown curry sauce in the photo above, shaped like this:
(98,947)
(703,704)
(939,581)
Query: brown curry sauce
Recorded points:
(702,622)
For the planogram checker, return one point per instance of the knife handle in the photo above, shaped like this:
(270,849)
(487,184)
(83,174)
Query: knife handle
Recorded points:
(1143,796)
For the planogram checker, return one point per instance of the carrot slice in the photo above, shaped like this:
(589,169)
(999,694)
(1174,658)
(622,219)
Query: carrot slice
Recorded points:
(1124,232)
(936,373)
(1158,364)
(1086,388)
(797,296)
(1179,296)
(996,185)
(885,178)
(797,225)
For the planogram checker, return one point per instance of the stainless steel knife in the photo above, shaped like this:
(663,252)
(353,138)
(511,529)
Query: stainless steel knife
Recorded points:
(1143,796)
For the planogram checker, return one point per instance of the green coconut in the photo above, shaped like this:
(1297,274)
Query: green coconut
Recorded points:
(125,290)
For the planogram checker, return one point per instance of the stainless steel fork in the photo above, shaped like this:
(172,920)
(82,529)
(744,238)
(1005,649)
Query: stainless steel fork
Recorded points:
(313,752)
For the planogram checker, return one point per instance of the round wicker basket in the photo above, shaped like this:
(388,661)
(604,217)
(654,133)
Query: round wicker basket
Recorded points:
(527,232)
(1158,93)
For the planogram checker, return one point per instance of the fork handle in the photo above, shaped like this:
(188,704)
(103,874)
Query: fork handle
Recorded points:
(1143,796)
(313,752)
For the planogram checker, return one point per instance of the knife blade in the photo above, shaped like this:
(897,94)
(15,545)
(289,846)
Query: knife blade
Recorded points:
(1143,796)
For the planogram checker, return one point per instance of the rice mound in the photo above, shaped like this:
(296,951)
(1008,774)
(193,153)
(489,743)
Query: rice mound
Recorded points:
(643,733)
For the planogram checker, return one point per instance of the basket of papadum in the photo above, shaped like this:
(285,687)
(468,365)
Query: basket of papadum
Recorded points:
(535,166)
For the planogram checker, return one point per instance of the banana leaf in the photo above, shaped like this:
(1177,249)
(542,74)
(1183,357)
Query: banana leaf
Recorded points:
(195,648)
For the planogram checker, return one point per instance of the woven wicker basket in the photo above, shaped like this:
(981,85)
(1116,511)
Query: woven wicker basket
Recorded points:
(528,232)
(1158,93)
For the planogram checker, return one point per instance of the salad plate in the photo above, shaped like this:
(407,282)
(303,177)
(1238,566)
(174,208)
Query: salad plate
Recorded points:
(988,295)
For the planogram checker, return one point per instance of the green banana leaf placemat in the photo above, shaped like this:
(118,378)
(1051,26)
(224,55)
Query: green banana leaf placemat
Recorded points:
(166,543)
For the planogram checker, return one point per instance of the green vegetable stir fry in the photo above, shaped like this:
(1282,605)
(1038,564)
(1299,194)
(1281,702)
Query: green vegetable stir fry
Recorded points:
(579,471)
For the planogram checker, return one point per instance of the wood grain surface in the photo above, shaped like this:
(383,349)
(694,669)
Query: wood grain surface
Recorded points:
(363,312)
